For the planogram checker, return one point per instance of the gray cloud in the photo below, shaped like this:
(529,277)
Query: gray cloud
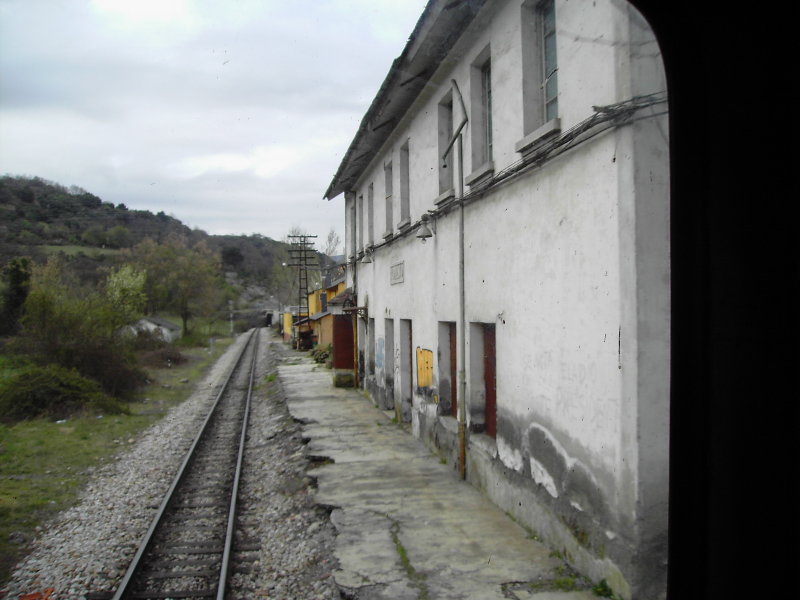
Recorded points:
(232,116)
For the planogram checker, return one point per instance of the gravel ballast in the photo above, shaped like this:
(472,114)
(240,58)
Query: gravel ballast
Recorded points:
(87,548)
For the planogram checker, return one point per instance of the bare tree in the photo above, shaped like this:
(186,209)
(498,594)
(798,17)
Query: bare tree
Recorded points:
(286,277)
(294,231)
(332,243)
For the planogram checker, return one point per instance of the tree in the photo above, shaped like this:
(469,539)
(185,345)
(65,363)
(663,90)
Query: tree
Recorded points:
(232,256)
(179,277)
(94,236)
(332,243)
(77,327)
(124,290)
(154,260)
(119,237)
(16,276)
(331,250)
(194,282)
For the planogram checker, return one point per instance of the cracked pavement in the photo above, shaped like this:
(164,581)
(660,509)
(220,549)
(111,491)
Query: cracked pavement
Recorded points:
(407,527)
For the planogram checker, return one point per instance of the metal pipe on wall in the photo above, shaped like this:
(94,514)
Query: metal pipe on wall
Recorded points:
(462,318)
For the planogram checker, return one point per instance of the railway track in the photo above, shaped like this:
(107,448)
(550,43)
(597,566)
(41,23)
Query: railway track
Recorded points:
(188,550)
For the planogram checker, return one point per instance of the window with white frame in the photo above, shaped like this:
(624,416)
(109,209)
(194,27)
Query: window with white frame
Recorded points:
(539,74)
(481,116)
(550,83)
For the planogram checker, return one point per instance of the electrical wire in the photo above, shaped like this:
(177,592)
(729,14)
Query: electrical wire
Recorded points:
(603,119)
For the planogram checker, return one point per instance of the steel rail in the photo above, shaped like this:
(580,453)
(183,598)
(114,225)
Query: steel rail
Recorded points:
(226,553)
(136,563)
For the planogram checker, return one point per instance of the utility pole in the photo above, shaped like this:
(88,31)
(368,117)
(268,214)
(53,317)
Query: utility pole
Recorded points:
(303,257)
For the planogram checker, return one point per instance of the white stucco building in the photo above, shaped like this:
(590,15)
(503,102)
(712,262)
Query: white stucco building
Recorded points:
(527,338)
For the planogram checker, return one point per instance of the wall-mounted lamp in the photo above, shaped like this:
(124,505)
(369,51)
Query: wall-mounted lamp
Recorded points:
(424,232)
(367,257)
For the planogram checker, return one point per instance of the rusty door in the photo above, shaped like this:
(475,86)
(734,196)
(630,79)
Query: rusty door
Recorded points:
(342,342)
(490,378)
(453,371)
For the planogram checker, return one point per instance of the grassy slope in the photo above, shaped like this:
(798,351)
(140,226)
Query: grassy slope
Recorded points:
(43,465)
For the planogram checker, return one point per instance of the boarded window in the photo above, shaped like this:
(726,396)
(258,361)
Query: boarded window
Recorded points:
(424,367)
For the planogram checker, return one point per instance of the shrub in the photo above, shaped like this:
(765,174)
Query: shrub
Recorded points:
(241,325)
(148,340)
(163,357)
(52,391)
(192,340)
(322,354)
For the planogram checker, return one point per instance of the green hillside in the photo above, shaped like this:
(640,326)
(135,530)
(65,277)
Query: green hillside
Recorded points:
(34,211)
(40,217)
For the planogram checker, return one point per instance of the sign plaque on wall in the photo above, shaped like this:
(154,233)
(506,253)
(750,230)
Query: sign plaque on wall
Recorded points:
(396,273)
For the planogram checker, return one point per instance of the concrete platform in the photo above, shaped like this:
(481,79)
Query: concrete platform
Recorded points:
(407,527)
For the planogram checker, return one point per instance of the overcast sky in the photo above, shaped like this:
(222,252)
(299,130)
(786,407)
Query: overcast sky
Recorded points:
(231,115)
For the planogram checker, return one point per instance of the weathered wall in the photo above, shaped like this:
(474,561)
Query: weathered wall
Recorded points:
(570,262)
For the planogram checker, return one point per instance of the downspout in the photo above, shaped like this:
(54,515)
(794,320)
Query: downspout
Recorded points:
(354,315)
(462,319)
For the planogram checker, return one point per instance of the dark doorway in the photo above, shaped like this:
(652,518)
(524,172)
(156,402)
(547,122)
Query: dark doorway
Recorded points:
(403,408)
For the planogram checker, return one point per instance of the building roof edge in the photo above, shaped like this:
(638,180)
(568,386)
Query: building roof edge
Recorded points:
(441,24)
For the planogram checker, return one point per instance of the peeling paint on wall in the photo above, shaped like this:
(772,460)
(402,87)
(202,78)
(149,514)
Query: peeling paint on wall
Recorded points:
(543,478)
(535,452)
(511,456)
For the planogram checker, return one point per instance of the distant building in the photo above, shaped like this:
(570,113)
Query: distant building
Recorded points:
(321,317)
(507,234)
(162,328)
(291,317)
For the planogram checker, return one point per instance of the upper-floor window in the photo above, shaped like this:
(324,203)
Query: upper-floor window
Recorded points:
(405,182)
(360,221)
(352,230)
(486,107)
(539,74)
(446,169)
(387,175)
(481,110)
(370,215)
(550,83)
